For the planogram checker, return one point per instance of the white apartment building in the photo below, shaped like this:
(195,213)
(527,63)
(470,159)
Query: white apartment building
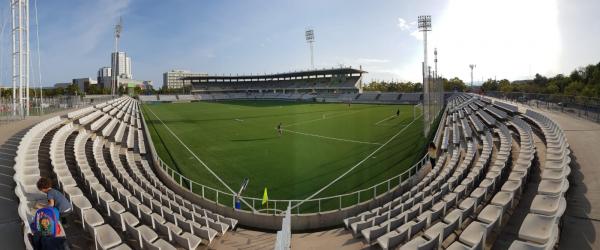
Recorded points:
(173,79)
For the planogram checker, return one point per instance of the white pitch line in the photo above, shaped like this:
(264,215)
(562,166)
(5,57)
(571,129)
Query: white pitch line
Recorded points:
(385,119)
(322,118)
(331,138)
(353,167)
(201,162)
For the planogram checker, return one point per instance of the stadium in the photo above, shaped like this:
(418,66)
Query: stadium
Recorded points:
(318,158)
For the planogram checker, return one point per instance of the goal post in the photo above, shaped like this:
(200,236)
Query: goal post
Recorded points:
(417,108)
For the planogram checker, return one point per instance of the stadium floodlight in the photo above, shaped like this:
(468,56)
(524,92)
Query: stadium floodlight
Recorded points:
(472,66)
(310,39)
(118,31)
(424,24)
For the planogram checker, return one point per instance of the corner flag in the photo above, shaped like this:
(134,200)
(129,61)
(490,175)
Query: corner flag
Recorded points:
(265,197)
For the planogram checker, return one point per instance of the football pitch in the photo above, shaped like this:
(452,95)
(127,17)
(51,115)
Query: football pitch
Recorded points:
(218,144)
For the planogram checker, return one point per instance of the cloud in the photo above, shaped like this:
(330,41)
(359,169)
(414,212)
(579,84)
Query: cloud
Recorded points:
(417,35)
(403,24)
(410,28)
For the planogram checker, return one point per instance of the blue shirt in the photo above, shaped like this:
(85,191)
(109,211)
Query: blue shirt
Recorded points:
(60,202)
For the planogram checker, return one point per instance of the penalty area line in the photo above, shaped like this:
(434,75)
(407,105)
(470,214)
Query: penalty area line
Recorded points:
(324,117)
(330,138)
(201,162)
(385,119)
(355,166)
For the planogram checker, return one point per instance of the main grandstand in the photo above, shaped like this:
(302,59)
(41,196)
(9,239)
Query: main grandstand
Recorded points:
(335,80)
(324,85)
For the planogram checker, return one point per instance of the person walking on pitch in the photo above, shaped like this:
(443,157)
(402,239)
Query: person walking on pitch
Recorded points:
(279,129)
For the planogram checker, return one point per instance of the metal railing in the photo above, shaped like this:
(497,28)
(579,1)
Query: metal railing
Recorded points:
(316,205)
(46,105)
(581,106)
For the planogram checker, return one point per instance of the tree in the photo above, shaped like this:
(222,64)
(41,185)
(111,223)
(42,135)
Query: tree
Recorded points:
(6,93)
(574,88)
(552,88)
(137,90)
(540,80)
(505,86)
(72,89)
(454,84)
(490,85)
(93,89)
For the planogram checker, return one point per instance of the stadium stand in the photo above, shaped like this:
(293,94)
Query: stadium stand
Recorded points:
(367,96)
(388,97)
(464,204)
(98,159)
(410,97)
(337,80)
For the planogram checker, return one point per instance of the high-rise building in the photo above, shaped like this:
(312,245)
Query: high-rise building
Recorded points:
(121,65)
(105,77)
(173,79)
(128,71)
(84,83)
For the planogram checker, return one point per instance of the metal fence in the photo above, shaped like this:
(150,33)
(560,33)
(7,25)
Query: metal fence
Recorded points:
(10,112)
(316,205)
(581,106)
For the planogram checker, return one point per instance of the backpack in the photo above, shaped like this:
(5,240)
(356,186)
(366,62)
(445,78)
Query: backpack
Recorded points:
(46,222)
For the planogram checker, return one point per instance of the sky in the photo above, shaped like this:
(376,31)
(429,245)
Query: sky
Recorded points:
(511,39)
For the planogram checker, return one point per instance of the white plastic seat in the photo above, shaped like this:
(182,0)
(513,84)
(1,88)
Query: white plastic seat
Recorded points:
(187,240)
(392,239)
(550,205)
(471,236)
(457,245)
(160,244)
(538,228)
(106,237)
(491,214)
(526,245)
(421,243)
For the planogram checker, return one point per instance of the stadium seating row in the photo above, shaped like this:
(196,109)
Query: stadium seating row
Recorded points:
(479,195)
(98,159)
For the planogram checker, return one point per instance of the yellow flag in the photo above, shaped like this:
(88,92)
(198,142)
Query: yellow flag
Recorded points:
(265,197)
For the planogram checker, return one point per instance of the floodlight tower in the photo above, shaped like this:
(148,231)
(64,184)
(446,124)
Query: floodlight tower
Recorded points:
(436,83)
(435,61)
(425,26)
(310,39)
(20,56)
(472,66)
(118,30)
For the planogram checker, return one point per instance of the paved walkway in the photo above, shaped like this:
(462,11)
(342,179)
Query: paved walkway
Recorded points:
(581,229)
(581,222)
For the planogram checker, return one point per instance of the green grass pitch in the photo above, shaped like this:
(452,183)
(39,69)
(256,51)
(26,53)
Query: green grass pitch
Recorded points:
(320,141)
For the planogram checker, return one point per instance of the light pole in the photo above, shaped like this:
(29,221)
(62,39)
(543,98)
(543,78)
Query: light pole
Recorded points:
(118,30)
(425,26)
(310,39)
(472,66)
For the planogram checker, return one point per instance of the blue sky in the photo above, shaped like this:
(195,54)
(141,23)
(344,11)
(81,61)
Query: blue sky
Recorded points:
(506,38)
